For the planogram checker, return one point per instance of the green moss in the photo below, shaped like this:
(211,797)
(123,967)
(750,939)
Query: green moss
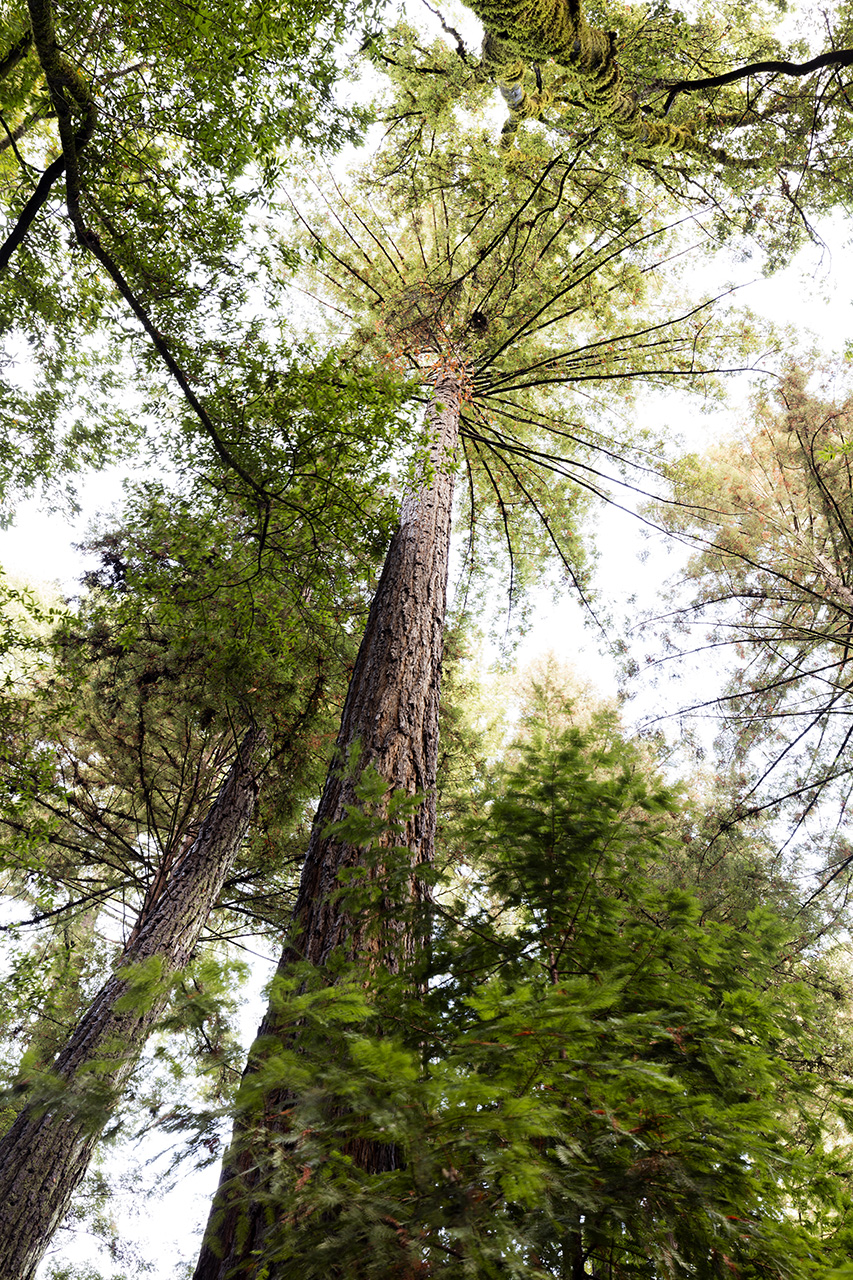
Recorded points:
(63,78)
(519,33)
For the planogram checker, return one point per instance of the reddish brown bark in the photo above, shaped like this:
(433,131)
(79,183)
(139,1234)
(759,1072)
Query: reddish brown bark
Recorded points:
(46,1152)
(389,722)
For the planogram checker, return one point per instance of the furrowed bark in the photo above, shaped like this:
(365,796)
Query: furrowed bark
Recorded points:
(389,722)
(46,1152)
(391,711)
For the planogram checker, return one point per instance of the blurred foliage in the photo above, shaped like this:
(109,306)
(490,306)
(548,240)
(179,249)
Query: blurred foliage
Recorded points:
(586,1070)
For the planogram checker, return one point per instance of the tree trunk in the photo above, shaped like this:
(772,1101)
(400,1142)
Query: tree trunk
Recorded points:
(46,1152)
(389,722)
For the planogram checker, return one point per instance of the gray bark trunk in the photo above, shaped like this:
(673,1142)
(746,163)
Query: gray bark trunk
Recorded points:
(390,719)
(46,1152)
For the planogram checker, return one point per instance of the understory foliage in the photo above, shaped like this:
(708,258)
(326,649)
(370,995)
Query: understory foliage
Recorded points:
(586,1074)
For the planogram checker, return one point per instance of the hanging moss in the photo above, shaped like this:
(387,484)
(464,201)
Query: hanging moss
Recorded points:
(557,30)
(521,32)
(523,105)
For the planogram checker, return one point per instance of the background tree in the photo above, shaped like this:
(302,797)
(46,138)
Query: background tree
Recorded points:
(200,626)
(768,586)
(46,1151)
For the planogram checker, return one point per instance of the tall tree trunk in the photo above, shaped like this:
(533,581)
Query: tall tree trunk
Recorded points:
(389,722)
(46,1152)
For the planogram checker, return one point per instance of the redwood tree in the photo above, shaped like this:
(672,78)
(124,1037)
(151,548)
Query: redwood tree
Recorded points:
(477,308)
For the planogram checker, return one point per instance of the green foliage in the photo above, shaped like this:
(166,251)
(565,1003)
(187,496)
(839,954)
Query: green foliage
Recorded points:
(586,1069)
(533,289)
(209,612)
(591,1067)
(194,110)
(760,157)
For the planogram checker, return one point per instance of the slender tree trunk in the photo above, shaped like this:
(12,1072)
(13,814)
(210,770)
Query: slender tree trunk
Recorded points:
(578,1271)
(389,722)
(46,1152)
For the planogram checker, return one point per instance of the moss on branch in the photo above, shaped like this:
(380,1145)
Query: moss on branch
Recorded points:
(522,32)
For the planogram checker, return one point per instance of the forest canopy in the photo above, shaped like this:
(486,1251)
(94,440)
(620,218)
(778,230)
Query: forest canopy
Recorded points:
(380,310)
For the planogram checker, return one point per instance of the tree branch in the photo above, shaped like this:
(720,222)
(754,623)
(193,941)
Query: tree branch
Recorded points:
(451,31)
(69,91)
(29,211)
(835,58)
(15,54)
(91,241)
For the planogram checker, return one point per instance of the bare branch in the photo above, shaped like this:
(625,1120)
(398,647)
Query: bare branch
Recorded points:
(835,58)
